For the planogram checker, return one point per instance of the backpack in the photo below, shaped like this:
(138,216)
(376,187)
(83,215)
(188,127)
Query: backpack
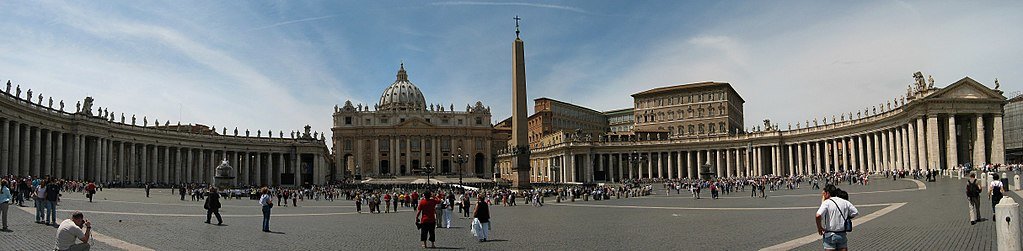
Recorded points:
(972,190)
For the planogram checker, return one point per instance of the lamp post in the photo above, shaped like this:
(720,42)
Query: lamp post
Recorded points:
(635,158)
(429,170)
(460,159)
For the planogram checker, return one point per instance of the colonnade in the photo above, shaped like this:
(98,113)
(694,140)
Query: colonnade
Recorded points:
(41,141)
(926,142)
(27,149)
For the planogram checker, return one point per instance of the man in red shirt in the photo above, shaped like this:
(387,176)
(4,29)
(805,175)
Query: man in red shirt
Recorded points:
(426,219)
(90,190)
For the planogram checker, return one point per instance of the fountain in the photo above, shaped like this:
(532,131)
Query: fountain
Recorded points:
(224,175)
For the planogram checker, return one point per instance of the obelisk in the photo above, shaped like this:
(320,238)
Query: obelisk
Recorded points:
(520,143)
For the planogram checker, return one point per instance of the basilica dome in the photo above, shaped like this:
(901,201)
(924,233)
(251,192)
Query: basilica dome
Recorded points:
(402,95)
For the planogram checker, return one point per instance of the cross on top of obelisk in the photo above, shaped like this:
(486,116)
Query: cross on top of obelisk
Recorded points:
(517,18)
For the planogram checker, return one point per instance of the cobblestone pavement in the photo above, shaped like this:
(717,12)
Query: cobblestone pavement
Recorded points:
(931,219)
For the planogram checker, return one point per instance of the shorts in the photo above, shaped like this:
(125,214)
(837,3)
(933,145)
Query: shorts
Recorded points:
(833,240)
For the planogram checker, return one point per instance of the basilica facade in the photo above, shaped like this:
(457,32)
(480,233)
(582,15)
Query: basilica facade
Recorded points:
(403,135)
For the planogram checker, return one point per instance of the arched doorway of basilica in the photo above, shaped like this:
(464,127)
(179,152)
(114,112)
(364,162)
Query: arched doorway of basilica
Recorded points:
(385,167)
(349,165)
(445,166)
(478,163)
(415,166)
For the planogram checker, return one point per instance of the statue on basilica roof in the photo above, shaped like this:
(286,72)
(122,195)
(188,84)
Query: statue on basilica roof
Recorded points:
(930,82)
(921,84)
(996,84)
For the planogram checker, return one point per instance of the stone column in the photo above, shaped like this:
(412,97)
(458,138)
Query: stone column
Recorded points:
(280,169)
(26,150)
(82,151)
(47,160)
(850,151)
(165,175)
(671,166)
(933,158)
(897,155)
(5,146)
(820,161)
(952,150)
(729,172)
(717,163)
(833,159)
(754,161)
(58,170)
(979,154)
(189,166)
(699,162)
(997,141)
(649,166)
(36,147)
(871,148)
(921,144)
(153,165)
(660,165)
(257,169)
(885,153)
(908,149)
(15,151)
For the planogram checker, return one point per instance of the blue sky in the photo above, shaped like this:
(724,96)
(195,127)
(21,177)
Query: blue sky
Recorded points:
(279,65)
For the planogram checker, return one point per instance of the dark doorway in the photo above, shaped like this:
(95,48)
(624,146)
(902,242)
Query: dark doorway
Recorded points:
(478,163)
(445,166)
(385,167)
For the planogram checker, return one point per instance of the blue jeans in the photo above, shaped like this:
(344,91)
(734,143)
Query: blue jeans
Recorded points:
(40,209)
(833,240)
(266,218)
(51,211)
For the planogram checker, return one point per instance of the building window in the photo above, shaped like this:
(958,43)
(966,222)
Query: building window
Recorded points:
(445,121)
(460,122)
(701,129)
(348,120)
(711,127)
(348,145)
(691,131)
(479,121)
(385,145)
(721,125)
(383,121)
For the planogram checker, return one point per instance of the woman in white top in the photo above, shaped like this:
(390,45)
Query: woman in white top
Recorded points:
(995,192)
(40,201)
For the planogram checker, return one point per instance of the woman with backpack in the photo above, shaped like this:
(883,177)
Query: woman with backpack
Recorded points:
(995,192)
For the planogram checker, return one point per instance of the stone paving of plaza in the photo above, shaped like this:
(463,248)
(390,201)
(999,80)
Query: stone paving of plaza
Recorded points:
(931,219)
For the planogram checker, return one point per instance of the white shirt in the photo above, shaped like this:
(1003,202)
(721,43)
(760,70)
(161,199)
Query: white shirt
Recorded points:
(831,215)
(265,200)
(996,183)
(67,234)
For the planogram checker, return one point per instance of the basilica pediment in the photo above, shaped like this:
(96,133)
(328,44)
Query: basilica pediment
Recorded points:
(414,123)
(967,88)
